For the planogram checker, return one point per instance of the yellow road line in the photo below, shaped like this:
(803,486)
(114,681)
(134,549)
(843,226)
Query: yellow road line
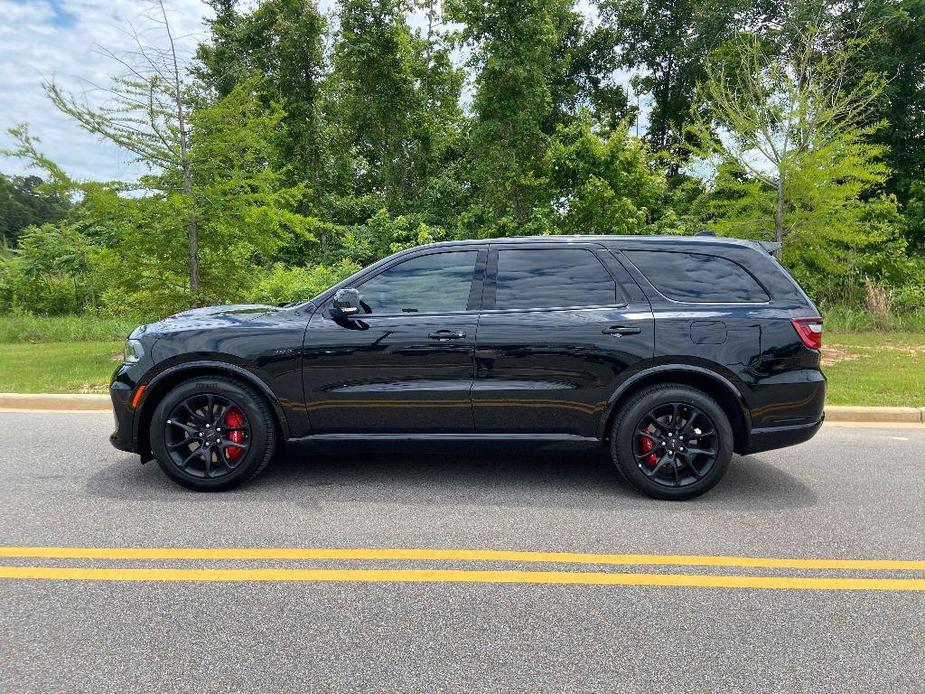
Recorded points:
(460,576)
(380,554)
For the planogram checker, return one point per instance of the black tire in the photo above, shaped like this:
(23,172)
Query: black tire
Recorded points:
(261,434)
(677,476)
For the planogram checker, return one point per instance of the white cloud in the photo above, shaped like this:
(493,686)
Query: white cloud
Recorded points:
(43,39)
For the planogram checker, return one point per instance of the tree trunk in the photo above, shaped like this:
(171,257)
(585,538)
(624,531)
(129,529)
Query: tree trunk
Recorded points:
(779,214)
(192,223)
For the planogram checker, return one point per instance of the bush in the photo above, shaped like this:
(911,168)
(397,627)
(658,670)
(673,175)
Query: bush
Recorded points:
(281,284)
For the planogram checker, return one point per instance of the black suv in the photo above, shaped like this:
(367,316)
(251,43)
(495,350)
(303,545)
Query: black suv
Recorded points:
(673,352)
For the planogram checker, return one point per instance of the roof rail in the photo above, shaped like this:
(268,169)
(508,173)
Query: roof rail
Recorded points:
(705,232)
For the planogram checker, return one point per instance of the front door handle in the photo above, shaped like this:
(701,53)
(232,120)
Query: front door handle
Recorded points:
(621,330)
(443,335)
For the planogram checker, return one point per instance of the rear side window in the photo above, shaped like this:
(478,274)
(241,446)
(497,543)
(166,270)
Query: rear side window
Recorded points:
(544,278)
(698,278)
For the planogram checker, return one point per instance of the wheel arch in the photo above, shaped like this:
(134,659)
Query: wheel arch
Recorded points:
(161,384)
(717,386)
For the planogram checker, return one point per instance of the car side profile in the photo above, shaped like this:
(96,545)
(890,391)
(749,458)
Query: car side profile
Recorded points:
(671,352)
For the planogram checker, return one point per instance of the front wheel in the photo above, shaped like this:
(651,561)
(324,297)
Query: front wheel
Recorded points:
(212,434)
(672,442)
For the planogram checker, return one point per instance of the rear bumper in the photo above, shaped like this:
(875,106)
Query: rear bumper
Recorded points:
(769,438)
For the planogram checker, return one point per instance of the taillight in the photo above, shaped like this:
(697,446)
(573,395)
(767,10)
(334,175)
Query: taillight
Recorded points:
(809,330)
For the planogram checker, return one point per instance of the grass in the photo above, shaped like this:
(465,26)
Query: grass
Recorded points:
(36,329)
(875,368)
(76,355)
(58,367)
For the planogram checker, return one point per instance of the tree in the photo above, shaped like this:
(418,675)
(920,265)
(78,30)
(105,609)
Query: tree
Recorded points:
(147,114)
(670,41)
(789,138)
(26,201)
(282,42)
(603,183)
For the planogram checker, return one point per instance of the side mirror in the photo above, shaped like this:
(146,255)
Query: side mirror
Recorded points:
(346,303)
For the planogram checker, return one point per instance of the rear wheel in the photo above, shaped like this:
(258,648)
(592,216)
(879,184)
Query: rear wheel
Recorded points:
(672,442)
(212,434)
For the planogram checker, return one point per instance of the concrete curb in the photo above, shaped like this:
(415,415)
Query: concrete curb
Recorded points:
(51,402)
(850,413)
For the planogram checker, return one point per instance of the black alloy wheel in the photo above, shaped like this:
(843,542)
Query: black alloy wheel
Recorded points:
(207,435)
(212,433)
(672,442)
(676,445)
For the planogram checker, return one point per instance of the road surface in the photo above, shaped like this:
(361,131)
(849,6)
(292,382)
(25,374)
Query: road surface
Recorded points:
(671,606)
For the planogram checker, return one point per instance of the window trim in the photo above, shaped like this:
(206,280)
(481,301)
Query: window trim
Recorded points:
(491,278)
(476,288)
(644,276)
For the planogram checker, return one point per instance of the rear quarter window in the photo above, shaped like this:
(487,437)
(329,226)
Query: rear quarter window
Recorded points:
(698,277)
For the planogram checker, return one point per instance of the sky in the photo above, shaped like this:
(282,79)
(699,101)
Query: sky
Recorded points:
(59,39)
(41,40)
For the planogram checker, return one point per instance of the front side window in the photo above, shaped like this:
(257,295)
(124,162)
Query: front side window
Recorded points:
(434,283)
(698,278)
(540,278)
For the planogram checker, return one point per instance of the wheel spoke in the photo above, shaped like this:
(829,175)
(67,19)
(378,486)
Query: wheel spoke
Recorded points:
(697,473)
(689,424)
(185,427)
(185,442)
(700,451)
(195,454)
(677,475)
(195,415)
(658,425)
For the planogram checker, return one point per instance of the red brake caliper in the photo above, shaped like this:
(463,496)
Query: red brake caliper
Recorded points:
(647,445)
(234,419)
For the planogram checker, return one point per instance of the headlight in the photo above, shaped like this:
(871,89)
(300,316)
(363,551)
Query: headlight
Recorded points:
(133,351)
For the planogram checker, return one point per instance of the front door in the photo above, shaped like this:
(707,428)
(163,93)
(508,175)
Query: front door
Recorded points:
(555,334)
(406,365)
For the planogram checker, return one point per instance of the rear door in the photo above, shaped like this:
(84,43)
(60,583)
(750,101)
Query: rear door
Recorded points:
(555,334)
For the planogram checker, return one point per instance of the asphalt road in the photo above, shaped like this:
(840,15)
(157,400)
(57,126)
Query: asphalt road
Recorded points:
(851,493)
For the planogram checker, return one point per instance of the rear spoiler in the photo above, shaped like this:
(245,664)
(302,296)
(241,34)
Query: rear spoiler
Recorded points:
(770,246)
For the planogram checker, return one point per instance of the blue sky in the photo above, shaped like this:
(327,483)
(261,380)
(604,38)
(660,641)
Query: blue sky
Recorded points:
(44,39)
(59,39)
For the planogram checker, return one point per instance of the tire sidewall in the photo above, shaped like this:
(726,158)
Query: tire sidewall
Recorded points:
(623,435)
(244,398)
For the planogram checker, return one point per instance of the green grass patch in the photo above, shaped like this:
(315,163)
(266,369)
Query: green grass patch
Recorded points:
(33,329)
(875,368)
(55,367)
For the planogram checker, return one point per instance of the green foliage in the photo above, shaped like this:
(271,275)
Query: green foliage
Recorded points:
(603,183)
(301,147)
(24,202)
(281,284)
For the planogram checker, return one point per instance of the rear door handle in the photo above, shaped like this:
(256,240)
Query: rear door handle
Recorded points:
(621,330)
(443,335)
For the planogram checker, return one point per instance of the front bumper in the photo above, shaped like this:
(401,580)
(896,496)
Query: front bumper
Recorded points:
(123,438)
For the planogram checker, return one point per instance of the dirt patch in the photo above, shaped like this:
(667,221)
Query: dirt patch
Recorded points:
(93,389)
(833,354)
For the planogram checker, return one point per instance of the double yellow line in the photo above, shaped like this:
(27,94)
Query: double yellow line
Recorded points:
(431,575)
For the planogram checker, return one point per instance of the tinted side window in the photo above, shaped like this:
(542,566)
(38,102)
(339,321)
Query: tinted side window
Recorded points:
(555,277)
(698,278)
(435,283)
